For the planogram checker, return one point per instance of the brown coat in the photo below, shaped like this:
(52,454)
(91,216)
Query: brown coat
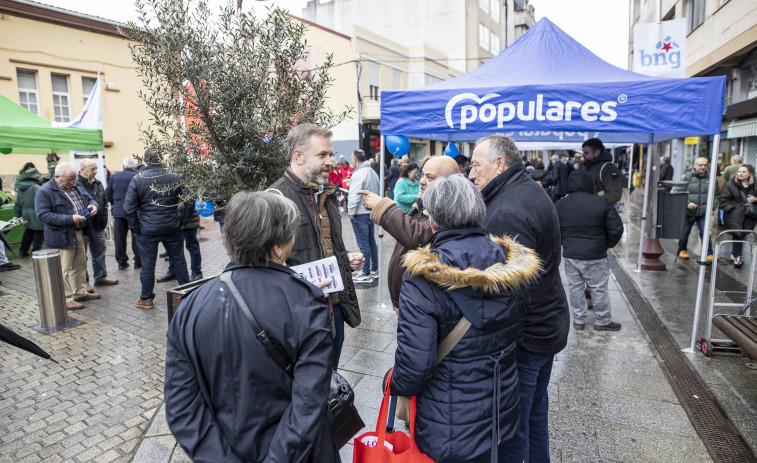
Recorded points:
(410,230)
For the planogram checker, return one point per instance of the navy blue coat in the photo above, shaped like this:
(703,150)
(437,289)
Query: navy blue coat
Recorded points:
(226,399)
(56,212)
(152,201)
(517,206)
(115,194)
(560,172)
(454,421)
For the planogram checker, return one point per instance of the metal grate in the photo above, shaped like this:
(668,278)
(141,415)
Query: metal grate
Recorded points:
(721,438)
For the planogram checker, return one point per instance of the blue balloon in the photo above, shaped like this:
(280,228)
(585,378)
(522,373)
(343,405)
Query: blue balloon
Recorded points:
(204,208)
(451,150)
(398,145)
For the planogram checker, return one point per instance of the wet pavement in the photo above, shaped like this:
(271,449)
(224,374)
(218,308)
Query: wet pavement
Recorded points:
(609,399)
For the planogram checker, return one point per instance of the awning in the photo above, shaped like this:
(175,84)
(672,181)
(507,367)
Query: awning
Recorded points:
(743,128)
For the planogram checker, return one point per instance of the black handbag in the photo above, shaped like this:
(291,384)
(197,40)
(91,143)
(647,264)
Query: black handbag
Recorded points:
(751,208)
(344,419)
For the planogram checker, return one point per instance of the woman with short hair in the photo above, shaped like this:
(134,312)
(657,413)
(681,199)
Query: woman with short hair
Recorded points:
(469,401)
(407,188)
(737,194)
(226,398)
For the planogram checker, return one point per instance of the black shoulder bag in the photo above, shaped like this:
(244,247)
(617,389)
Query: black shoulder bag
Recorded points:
(344,419)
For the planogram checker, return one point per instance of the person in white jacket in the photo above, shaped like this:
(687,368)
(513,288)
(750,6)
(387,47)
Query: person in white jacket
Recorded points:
(364,178)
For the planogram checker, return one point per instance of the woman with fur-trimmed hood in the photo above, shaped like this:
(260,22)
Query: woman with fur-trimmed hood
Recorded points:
(469,401)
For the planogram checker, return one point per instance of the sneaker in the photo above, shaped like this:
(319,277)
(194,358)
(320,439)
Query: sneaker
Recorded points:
(144,304)
(362,278)
(683,254)
(578,326)
(611,327)
(375,274)
(737,262)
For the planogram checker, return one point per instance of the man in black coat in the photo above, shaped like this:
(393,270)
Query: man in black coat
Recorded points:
(115,194)
(518,207)
(606,178)
(320,235)
(589,226)
(560,172)
(666,170)
(95,241)
(151,208)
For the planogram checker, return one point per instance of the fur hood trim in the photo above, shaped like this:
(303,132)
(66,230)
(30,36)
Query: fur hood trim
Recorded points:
(521,268)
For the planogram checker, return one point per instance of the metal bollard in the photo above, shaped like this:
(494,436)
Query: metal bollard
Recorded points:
(52,299)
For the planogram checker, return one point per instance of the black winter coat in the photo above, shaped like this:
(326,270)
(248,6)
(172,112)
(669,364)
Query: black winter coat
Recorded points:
(56,212)
(307,239)
(226,399)
(560,173)
(462,272)
(734,207)
(97,191)
(589,224)
(115,193)
(152,200)
(611,180)
(517,206)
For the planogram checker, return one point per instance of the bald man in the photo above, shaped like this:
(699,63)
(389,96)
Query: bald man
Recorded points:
(411,229)
(94,242)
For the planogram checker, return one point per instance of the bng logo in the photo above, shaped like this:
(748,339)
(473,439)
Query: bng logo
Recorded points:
(667,53)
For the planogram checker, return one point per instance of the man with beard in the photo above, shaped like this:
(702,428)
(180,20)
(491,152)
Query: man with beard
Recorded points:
(319,234)
(603,173)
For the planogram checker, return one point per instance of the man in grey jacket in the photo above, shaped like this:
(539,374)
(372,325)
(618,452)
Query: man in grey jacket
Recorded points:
(364,178)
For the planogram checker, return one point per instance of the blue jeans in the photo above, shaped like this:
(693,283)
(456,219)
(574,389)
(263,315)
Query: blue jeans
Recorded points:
(95,244)
(338,334)
(366,241)
(700,225)
(148,252)
(531,443)
(189,240)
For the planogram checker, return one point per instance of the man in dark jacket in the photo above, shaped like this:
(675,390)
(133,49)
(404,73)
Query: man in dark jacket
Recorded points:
(518,207)
(63,206)
(411,229)
(606,178)
(560,171)
(392,175)
(698,186)
(320,232)
(666,170)
(151,207)
(24,208)
(95,242)
(589,225)
(115,194)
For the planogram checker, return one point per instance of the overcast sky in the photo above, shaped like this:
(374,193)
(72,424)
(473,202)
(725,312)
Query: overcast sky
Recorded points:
(599,25)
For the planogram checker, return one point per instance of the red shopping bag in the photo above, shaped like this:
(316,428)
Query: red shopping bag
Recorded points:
(396,447)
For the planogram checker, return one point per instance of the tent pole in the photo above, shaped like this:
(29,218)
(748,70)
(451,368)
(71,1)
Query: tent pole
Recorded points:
(705,241)
(642,232)
(382,273)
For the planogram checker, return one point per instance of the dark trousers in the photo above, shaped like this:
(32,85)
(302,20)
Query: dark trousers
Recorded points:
(33,238)
(366,241)
(531,443)
(148,252)
(120,229)
(683,244)
(338,334)
(189,240)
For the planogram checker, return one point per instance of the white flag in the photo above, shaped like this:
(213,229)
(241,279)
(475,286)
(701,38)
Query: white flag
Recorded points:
(91,116)
(659,49)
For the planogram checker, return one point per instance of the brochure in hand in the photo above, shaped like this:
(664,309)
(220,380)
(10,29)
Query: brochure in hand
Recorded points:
(319,270)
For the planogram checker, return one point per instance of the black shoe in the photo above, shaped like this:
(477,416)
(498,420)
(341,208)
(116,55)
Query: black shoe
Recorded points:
(611,327)
(123,266)
(166,277)
(23,254)
(9,266)
(738,263)
(137,266)
(163,254)
(196,276)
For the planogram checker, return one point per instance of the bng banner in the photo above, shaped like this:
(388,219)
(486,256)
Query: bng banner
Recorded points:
(659,49)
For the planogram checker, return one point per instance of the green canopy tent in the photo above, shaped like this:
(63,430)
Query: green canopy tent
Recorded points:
(24,132)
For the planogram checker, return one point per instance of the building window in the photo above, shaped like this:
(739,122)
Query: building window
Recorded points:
(483,37)
(27,90)
(430,80)
(751,85)
(374,79)
(495,44)
(374,92)
(61,99)
(694,13)
(87,84)
(495,9)
(484,5)
(397,79)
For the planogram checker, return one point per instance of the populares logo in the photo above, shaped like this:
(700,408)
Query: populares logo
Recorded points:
(668,53)
(537,109)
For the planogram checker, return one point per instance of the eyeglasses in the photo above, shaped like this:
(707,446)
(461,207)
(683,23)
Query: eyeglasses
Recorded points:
(67,180)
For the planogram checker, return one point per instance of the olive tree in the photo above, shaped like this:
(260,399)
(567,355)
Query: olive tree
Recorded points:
(222,91)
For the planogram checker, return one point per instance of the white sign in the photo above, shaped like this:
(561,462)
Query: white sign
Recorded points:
(659,49)
(319,270)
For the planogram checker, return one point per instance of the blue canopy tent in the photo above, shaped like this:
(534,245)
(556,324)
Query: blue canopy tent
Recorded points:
(548,87)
